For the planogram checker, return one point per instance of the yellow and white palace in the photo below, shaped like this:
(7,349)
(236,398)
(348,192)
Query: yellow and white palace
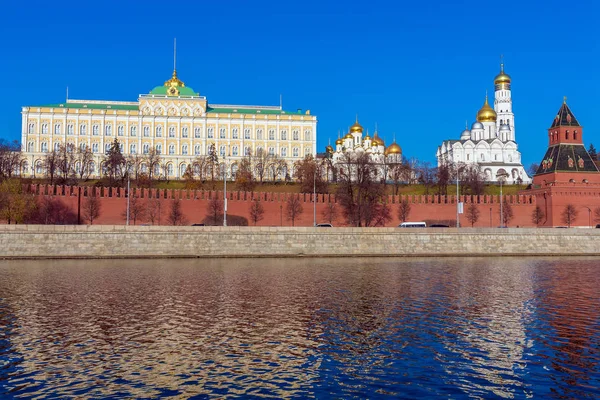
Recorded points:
(175,120)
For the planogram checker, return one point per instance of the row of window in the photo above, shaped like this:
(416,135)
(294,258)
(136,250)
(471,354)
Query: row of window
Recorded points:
(158,132)
(235,150)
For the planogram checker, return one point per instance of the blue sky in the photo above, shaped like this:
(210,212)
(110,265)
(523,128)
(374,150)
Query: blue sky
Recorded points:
(417,69)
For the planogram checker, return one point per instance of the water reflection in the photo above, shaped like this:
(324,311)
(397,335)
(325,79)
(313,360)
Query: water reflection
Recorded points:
(305,328)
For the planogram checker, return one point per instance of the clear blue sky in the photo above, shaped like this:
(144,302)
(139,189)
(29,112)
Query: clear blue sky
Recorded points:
(418,69)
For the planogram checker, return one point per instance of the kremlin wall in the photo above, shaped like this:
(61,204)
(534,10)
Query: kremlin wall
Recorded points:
(432,208)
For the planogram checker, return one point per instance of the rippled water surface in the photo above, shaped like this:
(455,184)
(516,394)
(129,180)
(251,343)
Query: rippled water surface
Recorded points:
(402,328)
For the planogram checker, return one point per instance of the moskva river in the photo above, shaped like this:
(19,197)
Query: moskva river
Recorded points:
(310,328)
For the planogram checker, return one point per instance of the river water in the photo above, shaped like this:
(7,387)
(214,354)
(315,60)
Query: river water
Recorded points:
(320,328)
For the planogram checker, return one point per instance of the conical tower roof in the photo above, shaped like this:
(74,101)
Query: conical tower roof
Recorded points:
(564,117)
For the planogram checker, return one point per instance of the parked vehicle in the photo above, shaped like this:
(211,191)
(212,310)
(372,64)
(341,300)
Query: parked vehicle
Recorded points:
(413,225)
(439,226)
(324,225)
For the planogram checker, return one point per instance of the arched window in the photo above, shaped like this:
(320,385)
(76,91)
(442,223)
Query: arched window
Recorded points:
(247,151)
(57,146)
(171,131)
(107,148)
(132,149)
(82,147)
(30,147)
(482,157)
(574,135)
(284,152)
(184,149)
(271,151)
(133,131)
(121,130)
(197,133)
(246,133)
(45,129)
(495,157)
(306,151)
(222,151)
(259,134)
(146,131)
(295,135)
(108,130)
(222,133)
(38,167)
(182,169)
(234,133)
(468,157)
(171,149)
(158,131)
(271,134)
(70,129)
(82,129)
(184,132)
(567,135)
(95,130)
(121,147)
(30,128)
(57,129)
(307,135)
(234,151)
(44,147)
(295,152)
(146,148)
(159,149)
(94,147)
(211,133)
(170,169)
(197,150)
(284,135)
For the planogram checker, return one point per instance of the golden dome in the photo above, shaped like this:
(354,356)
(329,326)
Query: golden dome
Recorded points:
(356,128)
(393,148)
(367,137)
(374,142)
(339,141)
(501,77)
(378,139)
(349,136)
(487,113)
(329,149)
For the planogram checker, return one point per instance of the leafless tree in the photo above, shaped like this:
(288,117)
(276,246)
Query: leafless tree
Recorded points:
(84,158)
(52,211)
(426,175)
(257,211)
(507,212)
(137,209)
(134,162)
(215,209)
(260,160)
(308,172)
(569,214)
(176,216)
(294,208)
(537,215)
(153,210)
(66,164)
(443,176)
(244,179)
(597,214)
(91,208)
(153,161)
(472,213)
(473,179)
(399,172)
(362,198)
(10,159)
(330,212)
(51,163)
(200,164)
(404,210)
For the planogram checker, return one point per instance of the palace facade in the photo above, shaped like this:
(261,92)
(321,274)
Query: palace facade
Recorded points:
(490,143)
(173,119)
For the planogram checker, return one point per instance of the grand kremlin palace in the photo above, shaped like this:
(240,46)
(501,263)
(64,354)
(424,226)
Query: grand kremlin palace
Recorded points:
(175,120)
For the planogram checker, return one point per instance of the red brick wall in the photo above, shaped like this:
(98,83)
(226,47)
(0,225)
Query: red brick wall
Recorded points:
(195,206)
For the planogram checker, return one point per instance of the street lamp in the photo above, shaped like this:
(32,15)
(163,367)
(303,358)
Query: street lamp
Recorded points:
(128,194)
(225,189)
(315,197)
(457,199)
(501,176)
(589,216)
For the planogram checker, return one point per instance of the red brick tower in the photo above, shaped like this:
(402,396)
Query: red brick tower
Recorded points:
(567,173)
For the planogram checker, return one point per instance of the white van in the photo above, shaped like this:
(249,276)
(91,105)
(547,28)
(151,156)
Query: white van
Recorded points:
(413,225)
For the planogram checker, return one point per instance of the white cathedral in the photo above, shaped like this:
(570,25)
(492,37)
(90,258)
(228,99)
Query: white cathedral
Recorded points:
(490,143)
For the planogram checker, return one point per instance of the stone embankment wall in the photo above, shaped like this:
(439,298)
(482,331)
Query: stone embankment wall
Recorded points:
(194,204)
(42,241)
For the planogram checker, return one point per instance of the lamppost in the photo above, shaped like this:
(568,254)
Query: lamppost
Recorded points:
(457,200)
(315,196)
(490,217)
(128,193)
(225,189)
(501,176)
(589,216)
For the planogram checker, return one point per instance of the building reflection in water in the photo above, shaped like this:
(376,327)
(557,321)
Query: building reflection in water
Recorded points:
(305,328)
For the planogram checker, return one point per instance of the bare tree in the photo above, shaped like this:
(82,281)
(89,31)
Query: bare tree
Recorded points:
(200,165)
(404,210)
(569,214)
(52,211)
(244,179)
(153,161)
(215,209)
(472,214)
(261,163)
(443,176)
(83,162)
(473,179)
(537,215)
(597,214)
(10,159)
(399,173)
(507,212)
(134,162)
(153,210)
(91,208)
(66,164)
(188,178)
(330,212)
(426,175)
(176,216)
(294,208)
(51,162)
(309,174)
(257,211)
(137,209)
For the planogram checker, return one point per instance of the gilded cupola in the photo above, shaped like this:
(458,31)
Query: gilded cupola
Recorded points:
(502,80)
(487,113)
(356,128)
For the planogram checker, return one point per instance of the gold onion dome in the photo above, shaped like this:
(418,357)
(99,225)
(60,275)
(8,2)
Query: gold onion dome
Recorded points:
(393,148)
(487,113)
(374,142)
(356,127)
(348,136)
(378,139)
(501,77)
(339,141)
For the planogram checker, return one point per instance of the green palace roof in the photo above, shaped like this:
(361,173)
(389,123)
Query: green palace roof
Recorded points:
(92,106)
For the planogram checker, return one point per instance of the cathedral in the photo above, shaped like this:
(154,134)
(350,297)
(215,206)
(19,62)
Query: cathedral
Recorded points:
(354,143)
(490,143)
